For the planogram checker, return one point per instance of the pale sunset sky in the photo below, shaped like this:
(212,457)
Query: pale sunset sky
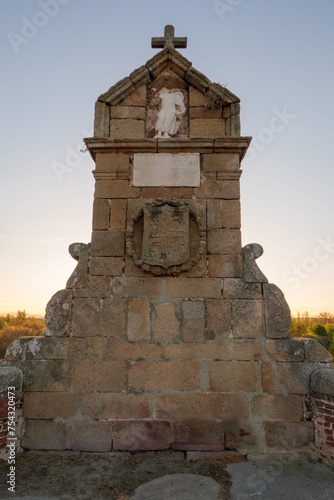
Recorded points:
(58,56)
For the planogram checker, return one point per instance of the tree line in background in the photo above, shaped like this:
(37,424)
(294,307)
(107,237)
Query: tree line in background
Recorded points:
(17,325)
(319,327)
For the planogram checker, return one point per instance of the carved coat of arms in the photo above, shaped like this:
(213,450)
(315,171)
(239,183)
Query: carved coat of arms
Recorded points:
(166,236)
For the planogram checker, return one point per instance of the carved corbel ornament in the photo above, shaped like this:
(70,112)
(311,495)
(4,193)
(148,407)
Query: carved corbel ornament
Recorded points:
(252,272)
(79,277)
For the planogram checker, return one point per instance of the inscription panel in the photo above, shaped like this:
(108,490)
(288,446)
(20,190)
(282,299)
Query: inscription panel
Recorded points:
(166,169)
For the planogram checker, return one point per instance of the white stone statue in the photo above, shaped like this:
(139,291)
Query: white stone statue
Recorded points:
(171,113)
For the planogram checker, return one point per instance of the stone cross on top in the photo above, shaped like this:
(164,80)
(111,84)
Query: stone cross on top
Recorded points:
(169,40)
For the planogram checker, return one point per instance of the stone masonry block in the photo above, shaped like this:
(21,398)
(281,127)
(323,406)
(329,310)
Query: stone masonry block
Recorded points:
(101,213)
(108,244)
(315,352)
(112,317)
(97,348)
(153,435)
(45,348)
(224,241)
(139,324)
(137,287)
(213,406)
(225,266)
(219,318)
(137,99)
(214,127)
(198,436)
(287,378)
(204,113)
(91,436)
(247,318)
(45,435)
(234,376)
(226,350)
(277,407)
(98,286)
(167,192)
(106,266)
(221,162)
(290,436)
(286,349)
(117,215)
(224,214)
(50,405)
(165,375)
(111,162)
(85,317)
(194,287)
(166,325)
(116,189)
(112,406)
(130,129)
(322,381)
(237,289)
(196,98)
(222,189)
(47,376)
(120,349)
(128,112)
(193,321)
(99,375)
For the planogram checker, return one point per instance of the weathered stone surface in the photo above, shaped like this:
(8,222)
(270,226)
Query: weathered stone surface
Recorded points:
(204,113)
(289,435)
(97,348)
(106,266)
(247,318)
(120,349)
(79,277)
(197,98)
(58,314)
(234,376)
(137,99)
(112,317)
(166,324)
(139,324)
(214,127)
(286,349)
(286,378)
(120,129)
(252,272)
(47,376)
(228,190)
(10,376)
(127,112)
(112,162)
(197,79)
(165,375)
(224,241)
(212,406)
(140,77)
(225,350)
(50,405)
(167,192)
(193,321)
(118,92)
(45,435)
(102,119)
(194,287)
(222,94)
(199,436)
(315,352)
(277,407)
(218,318)
(101,212)
(166,169)
(85,317)
(137,287)
(117,215)
(152,435)
(225,266)
(322,381)
(28,348)
(115,189)
(91,436)
(237,289)
(277,312)
(111,406)
(221,162)
(108,243)
(97,375)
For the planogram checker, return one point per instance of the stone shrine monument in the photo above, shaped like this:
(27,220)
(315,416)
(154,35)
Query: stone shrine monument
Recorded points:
(167,335)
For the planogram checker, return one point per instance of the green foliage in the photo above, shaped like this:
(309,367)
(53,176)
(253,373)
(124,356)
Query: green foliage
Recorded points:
(12,327)
(317,328)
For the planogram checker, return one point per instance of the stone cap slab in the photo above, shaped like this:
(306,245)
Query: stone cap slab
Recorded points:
(10,377)
(322,381)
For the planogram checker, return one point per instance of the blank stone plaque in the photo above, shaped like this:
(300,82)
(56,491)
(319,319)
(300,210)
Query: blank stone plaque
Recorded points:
(159,169)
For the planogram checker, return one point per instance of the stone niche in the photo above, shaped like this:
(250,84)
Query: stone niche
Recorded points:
(167,334)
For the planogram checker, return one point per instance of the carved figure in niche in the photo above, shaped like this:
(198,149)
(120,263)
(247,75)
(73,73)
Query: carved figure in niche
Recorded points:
(171,113)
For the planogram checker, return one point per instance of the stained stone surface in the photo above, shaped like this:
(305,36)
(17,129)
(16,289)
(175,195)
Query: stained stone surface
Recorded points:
(167,169)
(179,487)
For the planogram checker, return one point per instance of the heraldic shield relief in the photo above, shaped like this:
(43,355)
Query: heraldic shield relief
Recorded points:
(166,236)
